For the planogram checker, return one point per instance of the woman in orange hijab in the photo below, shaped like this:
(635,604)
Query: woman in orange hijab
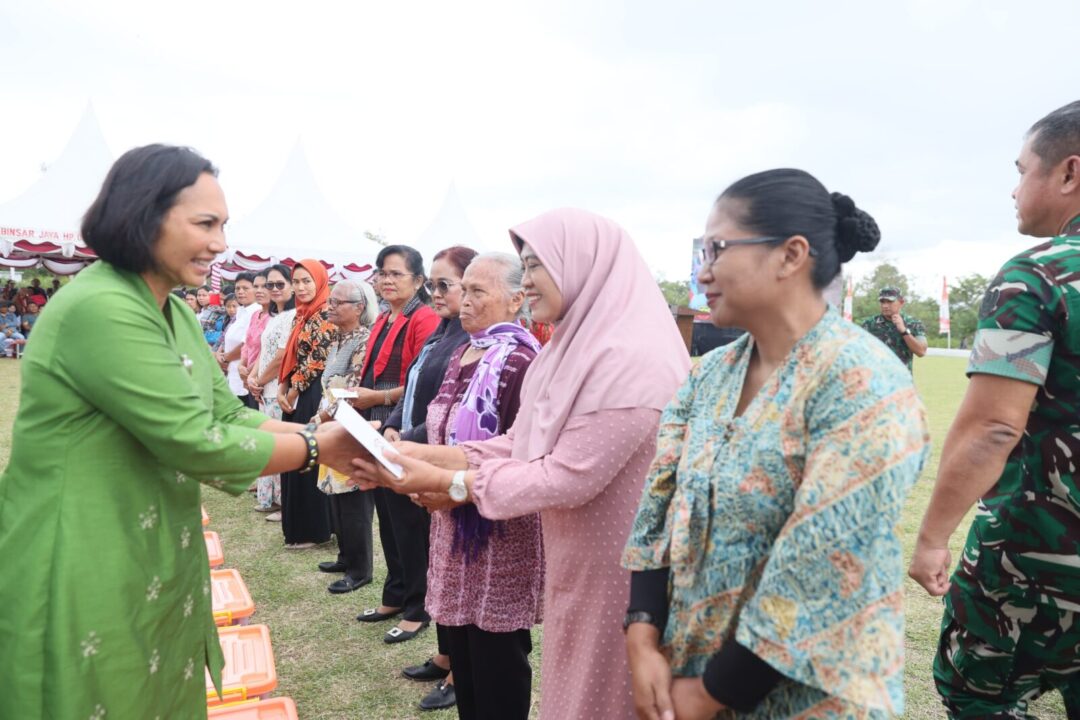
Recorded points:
(305,514)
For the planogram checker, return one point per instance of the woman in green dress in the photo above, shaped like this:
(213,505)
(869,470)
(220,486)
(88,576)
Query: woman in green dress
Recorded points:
(123,413)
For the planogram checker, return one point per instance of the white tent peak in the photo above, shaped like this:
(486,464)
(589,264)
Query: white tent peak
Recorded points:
(296,221)
(451,226)
(52,208)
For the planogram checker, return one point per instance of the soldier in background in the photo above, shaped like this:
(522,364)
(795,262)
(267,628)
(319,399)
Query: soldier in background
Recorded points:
(904,335)
(1011,626)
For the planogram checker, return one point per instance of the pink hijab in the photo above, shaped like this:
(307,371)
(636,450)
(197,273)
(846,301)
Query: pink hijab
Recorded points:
(616,345)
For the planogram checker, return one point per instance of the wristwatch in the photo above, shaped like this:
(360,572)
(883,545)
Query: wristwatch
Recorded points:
(638,616)
(458,490)
(906,332)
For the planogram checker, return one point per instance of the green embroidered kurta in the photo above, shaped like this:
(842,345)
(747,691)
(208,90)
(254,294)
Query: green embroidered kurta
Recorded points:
(105,586)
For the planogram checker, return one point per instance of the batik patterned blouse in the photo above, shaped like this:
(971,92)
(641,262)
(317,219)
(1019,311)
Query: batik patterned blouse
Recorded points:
(313,345)
(780,526)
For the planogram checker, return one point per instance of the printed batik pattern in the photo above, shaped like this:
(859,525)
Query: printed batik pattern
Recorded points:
(779,526)
(312,348)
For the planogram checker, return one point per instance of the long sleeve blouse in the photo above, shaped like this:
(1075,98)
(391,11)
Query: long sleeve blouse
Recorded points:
(312,347)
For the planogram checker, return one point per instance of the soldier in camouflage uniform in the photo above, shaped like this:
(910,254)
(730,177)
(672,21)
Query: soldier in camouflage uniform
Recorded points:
(1011,627)
(904,335)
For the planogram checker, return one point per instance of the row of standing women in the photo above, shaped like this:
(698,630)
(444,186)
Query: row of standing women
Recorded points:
(730,551)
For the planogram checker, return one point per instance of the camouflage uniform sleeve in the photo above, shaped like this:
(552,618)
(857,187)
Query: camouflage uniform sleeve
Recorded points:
(917,329)
(1017,323)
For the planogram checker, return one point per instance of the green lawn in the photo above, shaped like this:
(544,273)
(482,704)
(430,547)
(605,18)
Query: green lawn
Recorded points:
(337,668)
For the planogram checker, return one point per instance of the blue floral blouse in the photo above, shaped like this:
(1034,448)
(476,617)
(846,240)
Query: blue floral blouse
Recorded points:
(780,526)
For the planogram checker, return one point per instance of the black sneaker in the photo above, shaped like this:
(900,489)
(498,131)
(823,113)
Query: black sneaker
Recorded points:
(440,698)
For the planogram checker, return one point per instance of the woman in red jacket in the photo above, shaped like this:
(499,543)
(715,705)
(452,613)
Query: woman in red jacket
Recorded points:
(396,338)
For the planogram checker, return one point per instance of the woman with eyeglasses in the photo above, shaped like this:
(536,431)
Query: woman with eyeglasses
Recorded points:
(353,309)
(408,421)
(767,568)
(396,340)
(305,512)
(263,381)
(578,449)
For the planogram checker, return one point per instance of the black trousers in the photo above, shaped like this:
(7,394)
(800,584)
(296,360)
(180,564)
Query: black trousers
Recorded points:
(403,530)
(249,401)
(492,676)
(350,519)
(305,511)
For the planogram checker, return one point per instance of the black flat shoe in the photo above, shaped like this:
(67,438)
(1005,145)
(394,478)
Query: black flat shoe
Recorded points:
(373,615)
(428,671)
(440,698)
(397,635)
(347,585)
(332,566)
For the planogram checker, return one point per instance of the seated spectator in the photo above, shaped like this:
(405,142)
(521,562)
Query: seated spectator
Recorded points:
(28,319)
(9,318)
(192,301)
(52,290)
(12,339)
(9,291)
(22,300)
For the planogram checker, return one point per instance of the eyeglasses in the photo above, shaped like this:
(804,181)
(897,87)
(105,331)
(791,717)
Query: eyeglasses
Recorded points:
(443,286)
(334,302)
(710,251)
(279,285)
(392,275)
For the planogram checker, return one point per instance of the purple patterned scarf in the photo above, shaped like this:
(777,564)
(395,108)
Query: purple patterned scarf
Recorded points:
(478,419)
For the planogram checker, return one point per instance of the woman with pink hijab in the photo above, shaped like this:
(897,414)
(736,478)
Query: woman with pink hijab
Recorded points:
(580,447)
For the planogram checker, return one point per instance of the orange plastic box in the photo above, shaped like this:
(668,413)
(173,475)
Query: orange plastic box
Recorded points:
(232,602)
(279,708)
(249,671)
(213,548)
(205,517)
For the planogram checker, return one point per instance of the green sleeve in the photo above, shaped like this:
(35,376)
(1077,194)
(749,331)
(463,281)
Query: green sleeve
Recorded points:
(1017,323)
(117,357)
(649,544)
(917,328)
(227,407)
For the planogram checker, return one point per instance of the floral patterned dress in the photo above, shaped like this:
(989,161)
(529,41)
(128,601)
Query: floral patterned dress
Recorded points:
(779,526)
(276,333)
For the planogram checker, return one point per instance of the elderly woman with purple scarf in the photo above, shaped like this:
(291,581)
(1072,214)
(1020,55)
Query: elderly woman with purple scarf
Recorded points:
(485,578)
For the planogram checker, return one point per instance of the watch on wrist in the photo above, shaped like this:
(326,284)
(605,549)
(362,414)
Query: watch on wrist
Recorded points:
(638,616)
(906,332)
(458,491)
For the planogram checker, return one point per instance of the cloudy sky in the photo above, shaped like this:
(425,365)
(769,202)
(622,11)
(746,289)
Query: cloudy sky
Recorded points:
(642,111)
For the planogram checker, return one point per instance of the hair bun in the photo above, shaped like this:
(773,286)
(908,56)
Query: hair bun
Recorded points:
(856,231)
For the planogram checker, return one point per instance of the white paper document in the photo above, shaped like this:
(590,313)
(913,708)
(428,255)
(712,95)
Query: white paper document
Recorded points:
(366,435)
(341,393)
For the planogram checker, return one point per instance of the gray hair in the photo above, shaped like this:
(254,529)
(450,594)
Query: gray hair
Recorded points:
(359,291)
(513,272)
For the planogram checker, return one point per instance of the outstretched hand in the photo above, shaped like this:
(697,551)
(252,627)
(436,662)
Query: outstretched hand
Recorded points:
(417,476)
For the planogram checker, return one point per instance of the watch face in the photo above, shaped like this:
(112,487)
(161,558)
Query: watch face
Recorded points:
(458,493)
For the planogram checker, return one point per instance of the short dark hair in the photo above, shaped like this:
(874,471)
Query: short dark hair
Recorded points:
(457,255)
(413,260)
(249,276)
(786,202)
(124,221)
(1057,136)
(287,274)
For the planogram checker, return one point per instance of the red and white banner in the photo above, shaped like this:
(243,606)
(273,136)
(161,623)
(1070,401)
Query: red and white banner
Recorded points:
(944,324)
(849,300)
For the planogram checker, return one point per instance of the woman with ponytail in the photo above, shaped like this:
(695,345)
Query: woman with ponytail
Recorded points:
(767,569)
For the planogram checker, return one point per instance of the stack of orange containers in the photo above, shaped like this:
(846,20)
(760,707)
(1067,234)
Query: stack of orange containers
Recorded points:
(249,675)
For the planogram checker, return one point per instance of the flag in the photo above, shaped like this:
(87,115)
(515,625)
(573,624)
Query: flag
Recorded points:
(215,278)
(849,299)
(944,324)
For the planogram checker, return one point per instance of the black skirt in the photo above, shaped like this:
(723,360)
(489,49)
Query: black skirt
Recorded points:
(305,511)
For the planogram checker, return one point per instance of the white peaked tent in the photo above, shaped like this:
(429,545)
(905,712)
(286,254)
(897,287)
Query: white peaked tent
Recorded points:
(451,226)
(41,226)
(295,222)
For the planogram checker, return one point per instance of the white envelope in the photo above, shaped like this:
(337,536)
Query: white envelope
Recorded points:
(366,435)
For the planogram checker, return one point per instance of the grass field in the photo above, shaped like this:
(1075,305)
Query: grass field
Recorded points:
(337,668)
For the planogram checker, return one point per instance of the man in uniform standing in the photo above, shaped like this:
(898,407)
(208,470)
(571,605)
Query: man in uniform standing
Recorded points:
(904,335)
(1011,626)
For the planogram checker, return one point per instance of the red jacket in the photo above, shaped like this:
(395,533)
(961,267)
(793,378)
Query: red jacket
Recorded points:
(417,326)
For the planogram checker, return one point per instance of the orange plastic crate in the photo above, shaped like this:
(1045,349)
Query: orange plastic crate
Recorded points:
(279,708)
(205,517)
(249,671)
(213,548)
(232,602)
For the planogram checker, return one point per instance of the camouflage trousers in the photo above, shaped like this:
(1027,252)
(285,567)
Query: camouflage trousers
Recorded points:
(977,679)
